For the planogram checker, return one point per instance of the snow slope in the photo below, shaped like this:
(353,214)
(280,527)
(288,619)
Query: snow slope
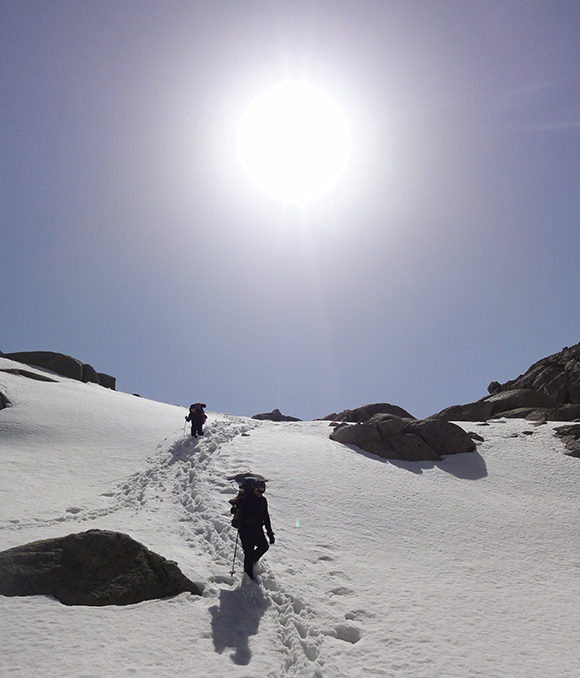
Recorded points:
(468,567)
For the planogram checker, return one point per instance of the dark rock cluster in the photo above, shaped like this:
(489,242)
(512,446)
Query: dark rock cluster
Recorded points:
(274,415)
(548,391)
(96,567)
(64,365)
(406,439)
(365,412)
(570,435)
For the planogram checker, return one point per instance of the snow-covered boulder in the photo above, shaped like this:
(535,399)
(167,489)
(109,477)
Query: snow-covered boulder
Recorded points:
(96,567)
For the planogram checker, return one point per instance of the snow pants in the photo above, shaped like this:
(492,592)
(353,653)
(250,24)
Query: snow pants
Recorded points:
(197,428)
(254,544)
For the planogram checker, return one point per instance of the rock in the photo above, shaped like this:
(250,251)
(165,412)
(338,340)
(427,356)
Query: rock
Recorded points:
(518,398)
(55,362)
(548,391)
(480,410)
(393,437)
(365,412)
(90,374)
(107,381)
(442,436)
(29,375)
(64,365)
(571,437)
(274,415)
(558,376)
(96,567)
(4,402)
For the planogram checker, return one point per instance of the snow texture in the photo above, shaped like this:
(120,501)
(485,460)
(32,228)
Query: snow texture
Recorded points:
(462,568)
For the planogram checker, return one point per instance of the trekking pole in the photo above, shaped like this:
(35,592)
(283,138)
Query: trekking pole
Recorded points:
(234,560)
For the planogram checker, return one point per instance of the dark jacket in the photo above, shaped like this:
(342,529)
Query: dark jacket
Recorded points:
(253,513)
(196,415)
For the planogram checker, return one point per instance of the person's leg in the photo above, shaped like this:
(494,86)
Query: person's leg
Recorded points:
(261,545)
(246,537)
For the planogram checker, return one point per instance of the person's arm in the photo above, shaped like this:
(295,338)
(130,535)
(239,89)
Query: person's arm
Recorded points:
(267,523)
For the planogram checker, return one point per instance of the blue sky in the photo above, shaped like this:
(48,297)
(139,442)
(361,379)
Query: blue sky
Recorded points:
(445,257)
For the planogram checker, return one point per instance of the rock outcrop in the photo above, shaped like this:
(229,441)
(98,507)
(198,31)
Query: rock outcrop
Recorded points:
(367,411)
(274,415)
(96,567)
(393,437)
(570,435)
(64,365)
(548,391)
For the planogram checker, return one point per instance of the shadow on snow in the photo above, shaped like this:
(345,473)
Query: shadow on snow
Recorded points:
(467,466)
(236,618)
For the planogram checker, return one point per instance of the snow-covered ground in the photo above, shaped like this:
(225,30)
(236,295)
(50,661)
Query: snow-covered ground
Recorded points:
(468,567)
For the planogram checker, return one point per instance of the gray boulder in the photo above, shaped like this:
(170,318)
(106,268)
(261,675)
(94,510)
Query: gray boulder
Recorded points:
(558,376)
(405,439)
(274,415)
(480,410)
(365,412)
(107,381)
(64,365)
(96,567)
(37,376)
(55,362)
(516,398)
(571,436)
(90,374)
(4,402)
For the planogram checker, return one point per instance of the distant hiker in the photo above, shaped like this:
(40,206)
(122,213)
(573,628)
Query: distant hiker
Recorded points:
(197,417)
(250,509)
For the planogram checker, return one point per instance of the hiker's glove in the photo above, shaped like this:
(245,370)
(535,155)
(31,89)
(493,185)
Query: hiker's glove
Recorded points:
(271,537)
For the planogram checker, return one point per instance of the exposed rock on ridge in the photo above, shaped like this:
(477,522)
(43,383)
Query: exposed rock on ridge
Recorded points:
(548,391)
(96,567)
(274,415)
(365,412)
(64,365)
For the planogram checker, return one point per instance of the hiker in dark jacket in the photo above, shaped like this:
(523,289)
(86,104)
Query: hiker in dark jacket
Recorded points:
(197,418)
(253,517)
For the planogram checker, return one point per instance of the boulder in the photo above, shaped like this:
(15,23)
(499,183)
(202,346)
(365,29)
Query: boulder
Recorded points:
(480,410)
(548,391)
(107,381)
(558,376)
(571,437)
(90,374)
(274,415)
(64,365)
(37,376)
(393,437)
(517,398)
(96,567)
(365,412)
(55,362)
(4,402)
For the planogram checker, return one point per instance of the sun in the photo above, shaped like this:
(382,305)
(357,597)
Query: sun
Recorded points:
(294,142)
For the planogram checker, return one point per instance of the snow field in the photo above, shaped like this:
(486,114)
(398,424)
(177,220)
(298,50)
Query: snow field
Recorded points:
(463,568)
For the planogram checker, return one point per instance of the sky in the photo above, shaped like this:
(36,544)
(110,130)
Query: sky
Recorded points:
(462,567)
(444,258)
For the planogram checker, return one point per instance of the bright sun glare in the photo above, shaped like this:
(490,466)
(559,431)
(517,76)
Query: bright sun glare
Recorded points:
(294,142)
